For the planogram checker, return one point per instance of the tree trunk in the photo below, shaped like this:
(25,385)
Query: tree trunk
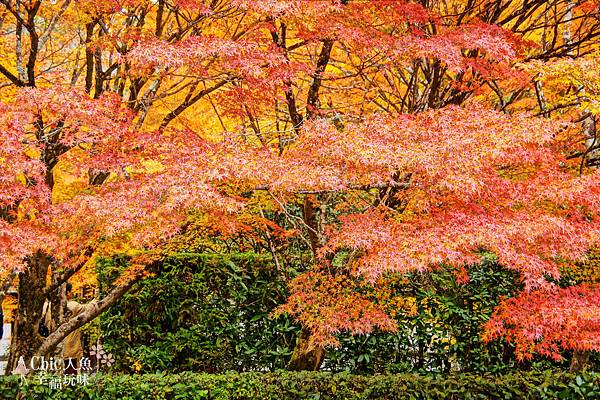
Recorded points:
(580,361)
(25,337)
(304,357)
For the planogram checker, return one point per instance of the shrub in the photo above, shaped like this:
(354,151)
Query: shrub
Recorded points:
(314,385)
(201,312)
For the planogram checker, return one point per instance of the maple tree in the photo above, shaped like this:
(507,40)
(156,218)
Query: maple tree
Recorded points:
(391,136)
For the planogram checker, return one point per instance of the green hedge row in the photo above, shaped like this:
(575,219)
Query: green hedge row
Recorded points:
(313,385)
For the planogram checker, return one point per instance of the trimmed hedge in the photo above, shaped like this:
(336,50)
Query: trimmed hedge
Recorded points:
(201,312)
(313,385)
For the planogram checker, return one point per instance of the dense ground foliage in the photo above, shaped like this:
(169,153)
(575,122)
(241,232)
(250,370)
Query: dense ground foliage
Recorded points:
(322,386)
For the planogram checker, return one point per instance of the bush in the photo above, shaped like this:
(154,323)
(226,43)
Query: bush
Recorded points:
(314,385)
(445,332)
(201,312)
(212,313)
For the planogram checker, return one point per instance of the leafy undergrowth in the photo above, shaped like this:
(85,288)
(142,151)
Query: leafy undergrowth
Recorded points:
(313,385)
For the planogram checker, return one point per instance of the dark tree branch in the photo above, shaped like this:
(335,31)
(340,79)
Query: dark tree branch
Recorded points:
(33,42)
(89,57)
(65,276)
(312,99)
(190,101)
(11,77)
(398,185)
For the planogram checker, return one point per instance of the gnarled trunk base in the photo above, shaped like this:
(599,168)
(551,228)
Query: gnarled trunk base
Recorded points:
(305,358)
(580,361)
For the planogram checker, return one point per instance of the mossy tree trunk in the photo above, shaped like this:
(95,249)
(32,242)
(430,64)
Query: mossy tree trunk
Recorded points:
(305,357)
(580,361)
